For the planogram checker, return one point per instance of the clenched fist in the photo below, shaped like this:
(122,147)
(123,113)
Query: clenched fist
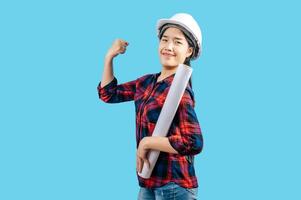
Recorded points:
(118,47)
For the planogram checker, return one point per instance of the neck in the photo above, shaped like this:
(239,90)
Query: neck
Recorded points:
(167,71)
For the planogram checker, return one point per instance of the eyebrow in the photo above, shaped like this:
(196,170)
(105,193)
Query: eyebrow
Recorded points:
(177,38)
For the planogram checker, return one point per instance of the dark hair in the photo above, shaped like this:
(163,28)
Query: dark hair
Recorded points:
(187,60)
(190,44)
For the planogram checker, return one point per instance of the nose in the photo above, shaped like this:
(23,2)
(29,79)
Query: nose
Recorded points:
(169,46)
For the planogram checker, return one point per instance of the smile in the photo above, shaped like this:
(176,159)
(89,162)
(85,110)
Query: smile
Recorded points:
(167,54)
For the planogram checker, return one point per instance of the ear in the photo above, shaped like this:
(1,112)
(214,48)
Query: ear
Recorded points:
(189,52)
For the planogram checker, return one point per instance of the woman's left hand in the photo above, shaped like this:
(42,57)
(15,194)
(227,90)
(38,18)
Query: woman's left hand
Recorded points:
(142,155)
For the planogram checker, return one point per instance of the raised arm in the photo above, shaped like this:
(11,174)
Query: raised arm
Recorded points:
(108,89)
(118,47)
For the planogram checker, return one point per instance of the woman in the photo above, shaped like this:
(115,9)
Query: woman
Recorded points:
(173,176)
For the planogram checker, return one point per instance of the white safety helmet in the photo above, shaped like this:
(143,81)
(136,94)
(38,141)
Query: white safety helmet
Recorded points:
(187,22)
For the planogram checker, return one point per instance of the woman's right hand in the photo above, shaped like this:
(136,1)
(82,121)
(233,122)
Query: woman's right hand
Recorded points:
(118,47)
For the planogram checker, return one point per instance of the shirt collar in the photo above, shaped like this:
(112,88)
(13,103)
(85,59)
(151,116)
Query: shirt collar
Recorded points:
(168,79)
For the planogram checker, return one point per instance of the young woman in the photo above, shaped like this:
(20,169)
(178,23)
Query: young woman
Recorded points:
(173,176)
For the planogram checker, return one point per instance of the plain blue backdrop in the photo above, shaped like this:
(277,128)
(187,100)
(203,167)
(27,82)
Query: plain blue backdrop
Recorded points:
(59,141)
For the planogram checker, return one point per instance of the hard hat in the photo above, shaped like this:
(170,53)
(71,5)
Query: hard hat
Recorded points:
(187,22)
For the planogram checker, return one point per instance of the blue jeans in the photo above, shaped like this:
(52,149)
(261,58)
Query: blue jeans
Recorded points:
(170,191)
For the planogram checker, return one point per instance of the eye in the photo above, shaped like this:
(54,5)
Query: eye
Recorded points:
(164,40)
(178,42)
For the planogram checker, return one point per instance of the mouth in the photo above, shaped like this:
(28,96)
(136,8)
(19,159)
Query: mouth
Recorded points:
(168,55)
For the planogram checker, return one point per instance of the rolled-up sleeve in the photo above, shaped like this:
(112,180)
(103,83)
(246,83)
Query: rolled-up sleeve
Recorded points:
(190,140)
(114,93)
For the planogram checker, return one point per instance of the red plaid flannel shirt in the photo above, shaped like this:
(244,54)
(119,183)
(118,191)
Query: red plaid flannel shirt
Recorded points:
(184,133)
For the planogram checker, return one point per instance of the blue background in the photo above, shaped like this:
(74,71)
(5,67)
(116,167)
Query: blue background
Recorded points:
(58,141)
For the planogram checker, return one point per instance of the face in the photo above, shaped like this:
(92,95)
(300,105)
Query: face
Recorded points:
(173,48)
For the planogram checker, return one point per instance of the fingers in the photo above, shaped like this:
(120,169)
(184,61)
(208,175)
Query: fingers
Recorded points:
(142,158)
(146,162)
(122,50)
(122,46)
(118,47)
(139,165)
(123,43)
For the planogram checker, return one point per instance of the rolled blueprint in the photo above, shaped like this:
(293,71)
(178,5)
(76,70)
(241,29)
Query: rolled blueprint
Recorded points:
(167,113)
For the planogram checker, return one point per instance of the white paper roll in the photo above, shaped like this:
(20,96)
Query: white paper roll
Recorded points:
(168,112)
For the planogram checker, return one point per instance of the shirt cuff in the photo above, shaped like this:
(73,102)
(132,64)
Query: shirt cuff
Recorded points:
(177,143)
(107,86)
(187,145)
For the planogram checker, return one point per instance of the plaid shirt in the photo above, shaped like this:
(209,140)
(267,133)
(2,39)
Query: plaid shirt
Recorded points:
(184,133)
